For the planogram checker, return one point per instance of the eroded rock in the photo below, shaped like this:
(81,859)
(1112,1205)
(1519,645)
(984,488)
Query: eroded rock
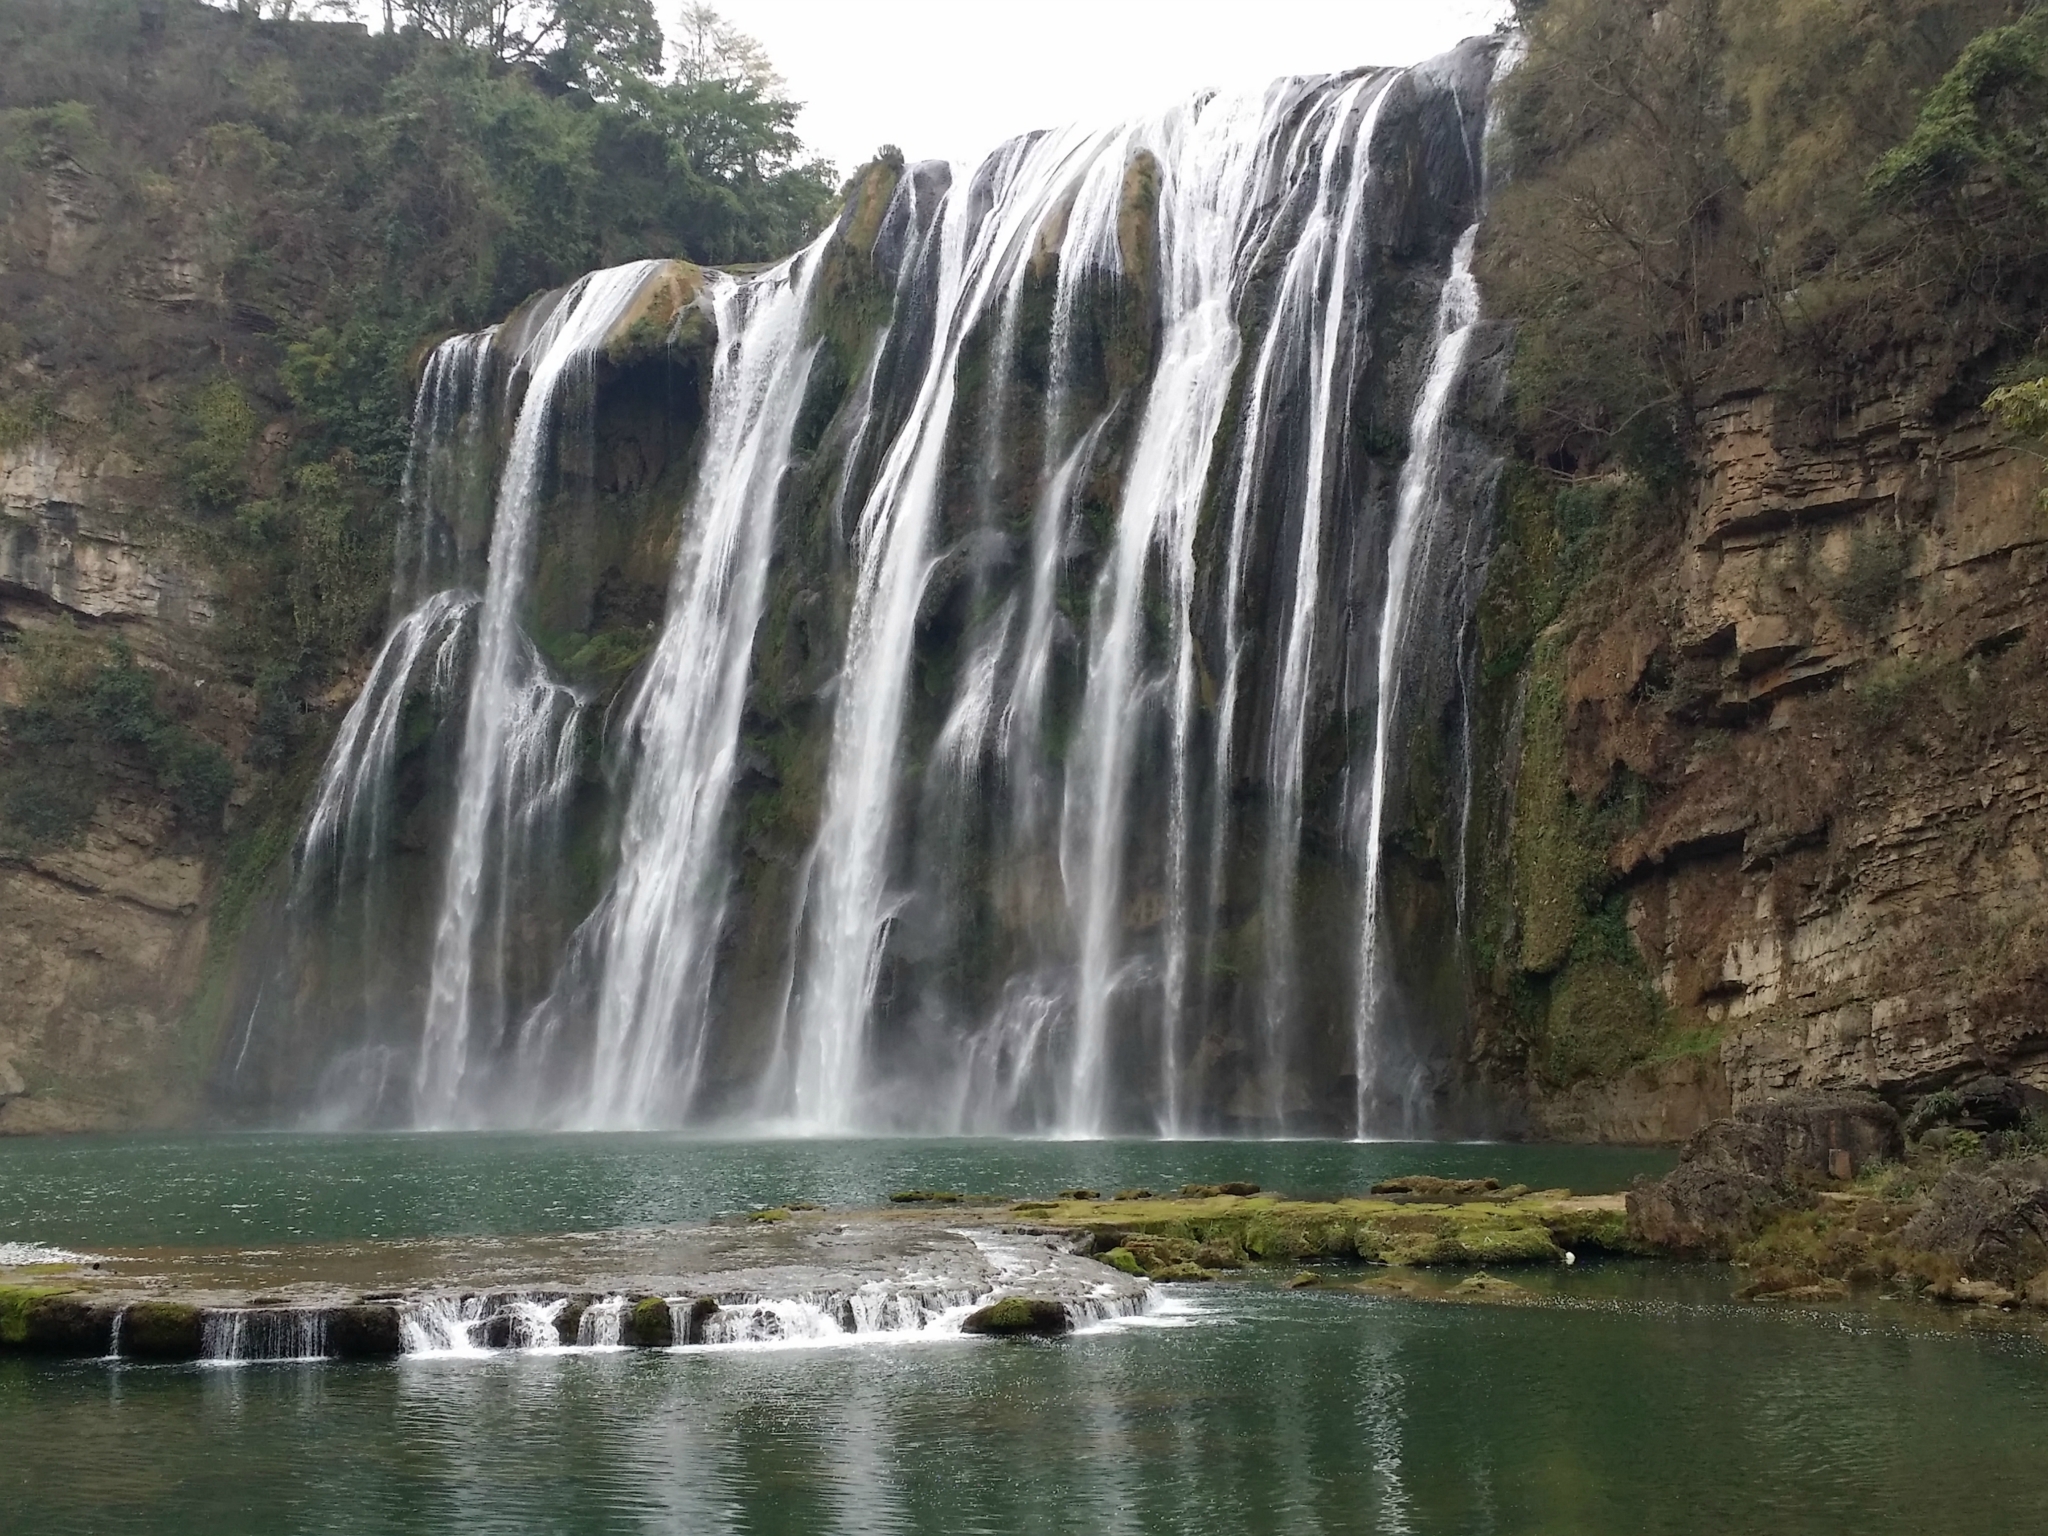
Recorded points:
(1735,1173)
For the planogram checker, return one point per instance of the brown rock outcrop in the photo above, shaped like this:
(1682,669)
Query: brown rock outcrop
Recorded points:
(1834,689)
(1735,1172)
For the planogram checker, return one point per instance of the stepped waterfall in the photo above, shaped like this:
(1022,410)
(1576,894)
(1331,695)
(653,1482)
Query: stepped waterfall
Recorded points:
(1003,669)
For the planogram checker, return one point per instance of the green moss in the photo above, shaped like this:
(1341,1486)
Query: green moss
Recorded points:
(1019,1315)
(220,429)
(1211,1231)
(1558,867)
(1603,1019)
(161,1330)
(88,712)
(15,1303)
(650,1324)
(773,1213)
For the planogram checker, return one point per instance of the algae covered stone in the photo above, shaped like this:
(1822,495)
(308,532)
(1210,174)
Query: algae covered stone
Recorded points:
(1125,1260)
(53,1321)
(649,1323)
(161,1330)
(365,1331)
(1020,1316)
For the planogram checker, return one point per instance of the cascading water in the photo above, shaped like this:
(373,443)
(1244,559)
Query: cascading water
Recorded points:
(1418,505)
(519,728)
(660,925)
(1052,605)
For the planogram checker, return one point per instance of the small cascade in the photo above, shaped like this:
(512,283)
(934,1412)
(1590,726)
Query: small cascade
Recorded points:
(518,732)
(602,1324)
(114,1337)
(530,1323)
(442,1325)
(239,1334)
(772,1322)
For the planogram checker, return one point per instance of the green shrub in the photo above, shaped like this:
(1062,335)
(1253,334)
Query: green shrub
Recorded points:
(221,429)
(1868,588)
(84,716)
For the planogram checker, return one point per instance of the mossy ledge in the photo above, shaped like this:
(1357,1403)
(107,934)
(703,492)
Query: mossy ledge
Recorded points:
(1179,1238)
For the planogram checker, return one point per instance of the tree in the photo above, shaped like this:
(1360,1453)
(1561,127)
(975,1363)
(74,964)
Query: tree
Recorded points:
(710,50)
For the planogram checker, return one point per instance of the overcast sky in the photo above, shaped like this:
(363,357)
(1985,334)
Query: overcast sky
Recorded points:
(951,79)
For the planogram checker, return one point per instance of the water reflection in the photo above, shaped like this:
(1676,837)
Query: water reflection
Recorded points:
(1647,1404)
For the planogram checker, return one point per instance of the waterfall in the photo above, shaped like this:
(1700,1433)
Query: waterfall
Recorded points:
(235,1334)
(848,906)
(1035,595)
(1208,158)
(1419,502)
(663,918)
(519,726)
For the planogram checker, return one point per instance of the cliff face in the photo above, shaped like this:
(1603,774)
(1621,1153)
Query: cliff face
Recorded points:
(101,938)
(102,935)
(1822,697)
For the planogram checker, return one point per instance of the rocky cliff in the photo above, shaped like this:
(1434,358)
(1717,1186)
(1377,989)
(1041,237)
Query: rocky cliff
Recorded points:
(1814,711)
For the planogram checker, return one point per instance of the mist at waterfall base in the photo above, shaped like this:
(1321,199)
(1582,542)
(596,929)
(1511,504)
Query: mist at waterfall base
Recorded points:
(1056,719)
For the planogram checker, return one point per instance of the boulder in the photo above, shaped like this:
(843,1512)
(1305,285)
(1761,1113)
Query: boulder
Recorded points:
(1995,1103)
(1020,1316)
(1733,1173)
(648,1323)
(1991,1220)
(1700,1209)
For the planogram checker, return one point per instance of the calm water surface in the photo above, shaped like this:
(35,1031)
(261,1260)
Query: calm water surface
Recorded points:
(145,1191)
(1639,1399)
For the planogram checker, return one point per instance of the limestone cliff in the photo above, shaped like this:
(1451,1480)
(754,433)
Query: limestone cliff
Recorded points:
(1817,708)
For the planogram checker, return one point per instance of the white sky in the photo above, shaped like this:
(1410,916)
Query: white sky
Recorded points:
(951,79)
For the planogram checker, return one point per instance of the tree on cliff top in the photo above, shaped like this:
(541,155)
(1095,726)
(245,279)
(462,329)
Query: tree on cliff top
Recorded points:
(1689,197)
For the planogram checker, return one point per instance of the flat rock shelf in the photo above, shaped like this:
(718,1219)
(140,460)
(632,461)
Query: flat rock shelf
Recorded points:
(756,1281)
(932,1263)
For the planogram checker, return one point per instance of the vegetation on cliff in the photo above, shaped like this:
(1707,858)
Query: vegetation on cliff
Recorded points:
(258,221)
(1825,204)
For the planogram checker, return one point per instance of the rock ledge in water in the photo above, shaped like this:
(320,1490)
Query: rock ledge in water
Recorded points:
(1020,1316)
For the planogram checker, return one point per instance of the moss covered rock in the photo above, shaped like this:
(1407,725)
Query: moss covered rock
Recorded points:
(1223,1231)
(648,1323)
(161,1330)
(365,1331)
(53,1321)
(1123,1259)
(1020,1316)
